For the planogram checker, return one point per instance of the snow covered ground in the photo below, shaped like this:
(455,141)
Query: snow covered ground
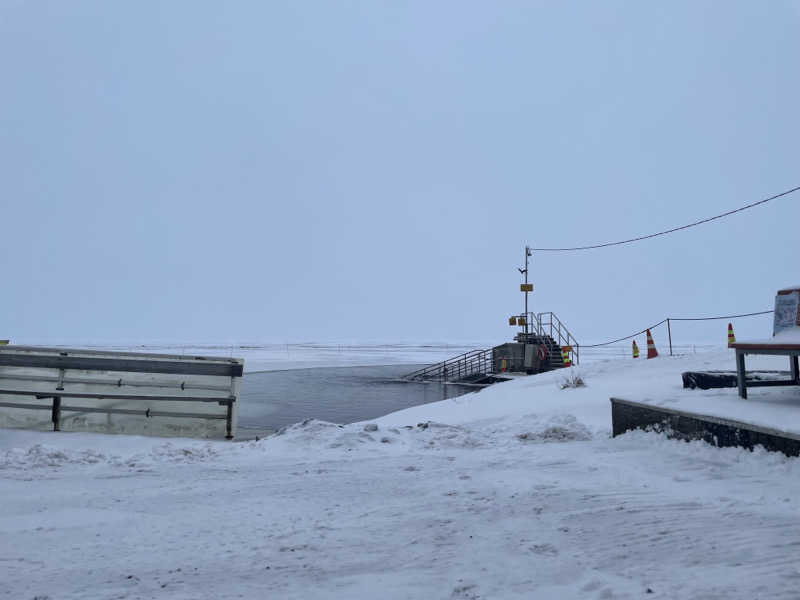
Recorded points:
(514,492)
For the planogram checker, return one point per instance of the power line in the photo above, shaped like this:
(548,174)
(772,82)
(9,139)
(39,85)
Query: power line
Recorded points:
(652,235)
(763,312)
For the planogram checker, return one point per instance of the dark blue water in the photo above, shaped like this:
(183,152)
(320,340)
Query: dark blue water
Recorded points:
(273,399)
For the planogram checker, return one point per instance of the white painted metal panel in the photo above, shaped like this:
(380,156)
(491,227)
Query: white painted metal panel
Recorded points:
(186,396)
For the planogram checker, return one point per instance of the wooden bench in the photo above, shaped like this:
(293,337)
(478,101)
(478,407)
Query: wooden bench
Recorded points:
(765,347)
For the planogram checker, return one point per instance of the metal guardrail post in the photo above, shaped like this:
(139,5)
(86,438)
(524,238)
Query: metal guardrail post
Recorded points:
(56,414)
(229,422)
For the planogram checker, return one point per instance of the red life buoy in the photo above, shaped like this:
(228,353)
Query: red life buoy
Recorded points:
(542,352)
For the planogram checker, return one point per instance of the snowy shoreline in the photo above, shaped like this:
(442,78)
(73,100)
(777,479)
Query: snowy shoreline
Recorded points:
(517,491)
(259,357)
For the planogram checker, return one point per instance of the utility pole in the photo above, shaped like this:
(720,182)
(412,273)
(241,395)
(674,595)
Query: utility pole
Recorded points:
(526,288)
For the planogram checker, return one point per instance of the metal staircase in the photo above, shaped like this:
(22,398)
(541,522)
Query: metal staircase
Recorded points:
(479,366)
(548,325)
(469,367)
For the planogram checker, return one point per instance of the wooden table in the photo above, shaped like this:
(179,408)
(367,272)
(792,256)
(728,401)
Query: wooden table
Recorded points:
(744,348)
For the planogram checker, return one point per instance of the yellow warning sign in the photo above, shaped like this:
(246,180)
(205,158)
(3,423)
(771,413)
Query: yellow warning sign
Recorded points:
(525,287)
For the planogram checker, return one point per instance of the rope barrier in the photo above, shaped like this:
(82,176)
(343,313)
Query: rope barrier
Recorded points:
(622,339)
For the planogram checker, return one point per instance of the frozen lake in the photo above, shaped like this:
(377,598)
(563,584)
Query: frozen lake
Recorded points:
(273,399)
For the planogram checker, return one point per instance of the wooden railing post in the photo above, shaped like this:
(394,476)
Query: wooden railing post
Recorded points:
(669,333)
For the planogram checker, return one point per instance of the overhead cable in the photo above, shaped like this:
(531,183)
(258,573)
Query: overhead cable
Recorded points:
(763,312)
(652,235)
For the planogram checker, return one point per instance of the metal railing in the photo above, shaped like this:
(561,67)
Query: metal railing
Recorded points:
(548,324)
(474,362)
(126,389)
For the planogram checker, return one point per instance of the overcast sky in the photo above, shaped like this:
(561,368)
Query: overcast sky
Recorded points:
(295,171)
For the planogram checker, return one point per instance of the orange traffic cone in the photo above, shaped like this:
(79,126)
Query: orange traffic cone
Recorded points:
(635,350)
(565,350)
(731,337)
(651,347)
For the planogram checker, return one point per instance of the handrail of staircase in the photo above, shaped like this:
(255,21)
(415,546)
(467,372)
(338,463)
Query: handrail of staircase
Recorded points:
(455,368)
(465,364)
(547,323)
(456,361)
(564,334)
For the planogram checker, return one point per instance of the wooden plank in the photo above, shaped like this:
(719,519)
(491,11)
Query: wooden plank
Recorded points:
(769,382)
(766,348)
(91,363)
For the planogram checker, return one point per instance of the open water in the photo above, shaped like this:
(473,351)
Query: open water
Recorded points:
(270,400)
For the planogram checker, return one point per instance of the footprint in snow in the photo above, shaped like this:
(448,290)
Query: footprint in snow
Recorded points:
(467,590)
(544,549)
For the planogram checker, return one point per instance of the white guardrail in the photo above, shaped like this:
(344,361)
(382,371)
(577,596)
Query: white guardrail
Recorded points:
(119,392)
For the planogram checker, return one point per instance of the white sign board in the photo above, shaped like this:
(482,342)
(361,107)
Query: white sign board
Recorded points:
(786,306)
